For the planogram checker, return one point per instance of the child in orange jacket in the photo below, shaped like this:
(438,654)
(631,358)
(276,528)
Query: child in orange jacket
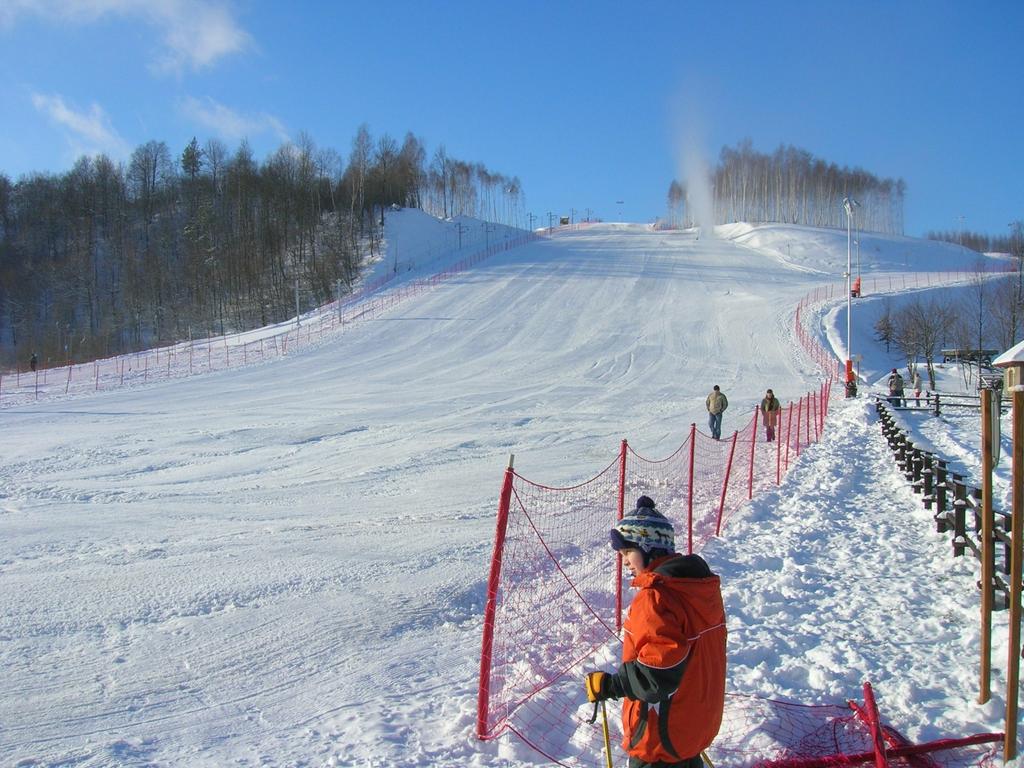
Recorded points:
(672,677)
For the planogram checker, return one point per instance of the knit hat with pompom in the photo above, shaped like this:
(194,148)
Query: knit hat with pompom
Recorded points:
(645,529)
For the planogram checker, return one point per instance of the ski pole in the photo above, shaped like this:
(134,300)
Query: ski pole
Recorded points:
(604,729)
(706,759)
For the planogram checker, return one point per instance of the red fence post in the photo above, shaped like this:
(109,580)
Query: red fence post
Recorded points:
(799,413)
(778,451)
(816,407)
(618,555)
(689,501)
(725,484)
(789,433)
(875,727)
(807,420)
(492,603)
(753,441)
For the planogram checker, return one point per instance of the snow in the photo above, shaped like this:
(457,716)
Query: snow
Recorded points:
(1014,354)
(284,563)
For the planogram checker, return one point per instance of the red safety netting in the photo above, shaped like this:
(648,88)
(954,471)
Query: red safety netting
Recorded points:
(756,732)
(554,598)
(215,353)
(767,733)
(555,593)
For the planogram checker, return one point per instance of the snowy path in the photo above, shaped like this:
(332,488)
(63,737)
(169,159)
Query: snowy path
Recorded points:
(839,577)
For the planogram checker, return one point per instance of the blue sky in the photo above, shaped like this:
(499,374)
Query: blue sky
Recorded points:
(588,103)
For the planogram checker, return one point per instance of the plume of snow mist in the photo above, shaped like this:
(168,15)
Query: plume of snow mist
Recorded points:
(692,169)
(700,202)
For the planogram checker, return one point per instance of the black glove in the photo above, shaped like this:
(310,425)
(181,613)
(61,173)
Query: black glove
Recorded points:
(599,686)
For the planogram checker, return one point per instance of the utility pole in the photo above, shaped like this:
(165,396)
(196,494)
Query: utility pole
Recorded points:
(851,383)
(572,216)
(531,218)
(551,218)
(588,215)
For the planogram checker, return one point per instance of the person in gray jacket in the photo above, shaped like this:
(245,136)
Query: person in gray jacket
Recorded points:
(716,404)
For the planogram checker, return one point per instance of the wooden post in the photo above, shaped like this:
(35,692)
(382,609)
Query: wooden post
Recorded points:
(987,550)
(959,515)
(941,486)
(929,481)
(1017,551)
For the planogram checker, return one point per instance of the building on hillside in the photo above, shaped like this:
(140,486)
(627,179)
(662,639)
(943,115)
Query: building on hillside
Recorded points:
(1013,361)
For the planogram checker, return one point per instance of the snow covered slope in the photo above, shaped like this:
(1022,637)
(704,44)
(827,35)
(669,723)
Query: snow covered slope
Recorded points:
(284,564)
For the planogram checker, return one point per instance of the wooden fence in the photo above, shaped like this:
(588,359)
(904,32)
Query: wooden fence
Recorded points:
(956,506)
(936,401)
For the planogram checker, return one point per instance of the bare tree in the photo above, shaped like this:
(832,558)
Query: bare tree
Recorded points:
(919,328)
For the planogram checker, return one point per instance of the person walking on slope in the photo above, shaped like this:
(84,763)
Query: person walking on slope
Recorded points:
(716,405)
(770,408)
(917,386)
(896,388)
(672,677)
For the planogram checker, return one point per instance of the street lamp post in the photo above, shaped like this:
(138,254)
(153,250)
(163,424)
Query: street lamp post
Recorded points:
(851,382)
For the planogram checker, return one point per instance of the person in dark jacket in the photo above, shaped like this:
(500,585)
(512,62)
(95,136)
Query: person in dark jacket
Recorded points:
(770,409)
(896,389)
(672,677)
(33,362)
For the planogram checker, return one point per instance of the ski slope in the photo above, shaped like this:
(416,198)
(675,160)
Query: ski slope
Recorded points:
(284,564)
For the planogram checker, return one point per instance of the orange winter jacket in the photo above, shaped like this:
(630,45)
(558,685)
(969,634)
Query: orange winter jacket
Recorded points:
(672,679)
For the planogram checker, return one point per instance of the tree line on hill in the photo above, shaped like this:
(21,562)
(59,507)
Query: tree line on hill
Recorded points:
(790,186)
(1012,243)
(109,257)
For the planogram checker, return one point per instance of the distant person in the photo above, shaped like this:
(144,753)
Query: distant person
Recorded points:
(672,677)
(770,408)
(917,386)
(896,388)
(33,362)
(716,404)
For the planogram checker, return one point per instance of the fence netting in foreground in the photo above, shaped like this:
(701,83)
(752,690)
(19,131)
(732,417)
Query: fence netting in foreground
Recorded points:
(759,732)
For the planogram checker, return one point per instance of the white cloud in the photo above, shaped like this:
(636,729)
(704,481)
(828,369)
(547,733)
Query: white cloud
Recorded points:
(89,132)
(230,124)
(195,33)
